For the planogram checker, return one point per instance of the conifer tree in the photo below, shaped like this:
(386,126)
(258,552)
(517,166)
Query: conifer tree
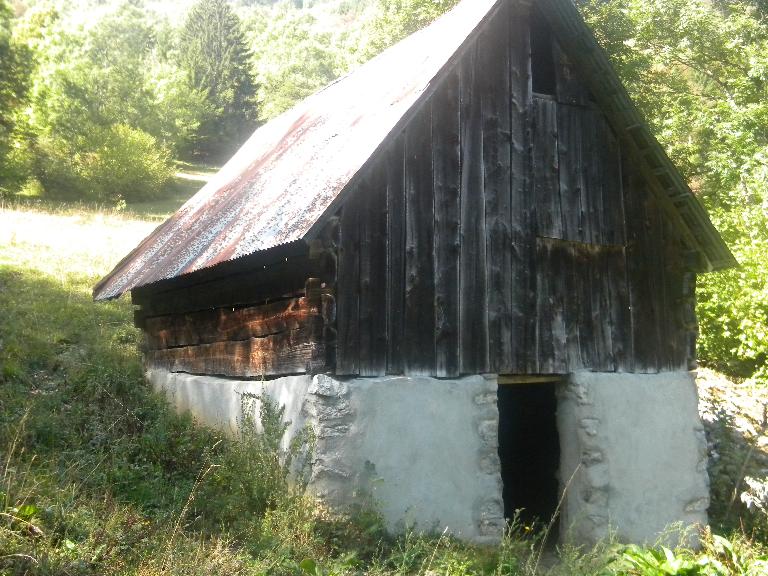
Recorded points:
(215,56)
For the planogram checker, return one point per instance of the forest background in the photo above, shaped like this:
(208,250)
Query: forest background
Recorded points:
(105,103)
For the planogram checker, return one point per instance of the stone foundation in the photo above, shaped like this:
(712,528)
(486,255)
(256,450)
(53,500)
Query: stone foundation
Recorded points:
(633,457)
(423,451)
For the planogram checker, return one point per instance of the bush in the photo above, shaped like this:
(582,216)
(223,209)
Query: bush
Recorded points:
(104,165)
(251,476)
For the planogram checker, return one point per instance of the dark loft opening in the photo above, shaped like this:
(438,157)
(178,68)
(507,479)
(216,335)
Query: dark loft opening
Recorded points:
(529,449)
(542,56)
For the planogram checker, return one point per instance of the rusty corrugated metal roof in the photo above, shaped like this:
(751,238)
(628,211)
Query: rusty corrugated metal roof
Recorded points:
(292,170)
(287,175)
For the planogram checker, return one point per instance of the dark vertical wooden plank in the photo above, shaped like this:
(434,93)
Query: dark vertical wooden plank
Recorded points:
(494,86)
(654,258)
(546,186)
(543,345)
(522,205)
(551,306)
(587,284)
(560,297)
(395,162)
(571,163)
(621,317)
(612,196)
(627,227)
(572,310)
(675,341)
(549,222)
(373,278)
(365,270)
(419,320)
(666,343)
(602,308)
(640,272)
(474,312)
(348,295)
(522,209)
(592,189)
(446,161)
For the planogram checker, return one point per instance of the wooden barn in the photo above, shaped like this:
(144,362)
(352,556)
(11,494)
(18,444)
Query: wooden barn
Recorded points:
(470,267)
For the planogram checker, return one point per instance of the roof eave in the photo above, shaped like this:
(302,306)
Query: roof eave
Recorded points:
(667,183)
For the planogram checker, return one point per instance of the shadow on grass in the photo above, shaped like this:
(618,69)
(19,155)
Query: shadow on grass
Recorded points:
(105,472)
(175,194)
(72,367)
(181,188)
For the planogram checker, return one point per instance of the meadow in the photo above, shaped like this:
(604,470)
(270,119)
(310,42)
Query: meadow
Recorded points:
(98,476)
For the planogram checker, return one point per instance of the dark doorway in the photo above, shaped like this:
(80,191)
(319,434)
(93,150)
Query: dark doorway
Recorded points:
(529,449)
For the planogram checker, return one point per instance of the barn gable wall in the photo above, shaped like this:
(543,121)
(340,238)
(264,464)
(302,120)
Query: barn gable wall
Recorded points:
(502,231)
(506,231)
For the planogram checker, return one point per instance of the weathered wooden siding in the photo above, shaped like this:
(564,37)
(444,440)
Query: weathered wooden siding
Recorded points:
(502,231)
(283,337)
(512,234)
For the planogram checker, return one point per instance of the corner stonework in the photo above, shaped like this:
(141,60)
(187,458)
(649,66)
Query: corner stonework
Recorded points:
(422,451)
(633,458)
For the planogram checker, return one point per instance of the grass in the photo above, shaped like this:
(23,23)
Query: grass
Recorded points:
(188,179)
(98,476)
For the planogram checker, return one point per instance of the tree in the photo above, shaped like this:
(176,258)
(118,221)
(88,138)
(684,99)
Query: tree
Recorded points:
(397,19)
(292,57)
(214,53)
(15,65)
(93,115)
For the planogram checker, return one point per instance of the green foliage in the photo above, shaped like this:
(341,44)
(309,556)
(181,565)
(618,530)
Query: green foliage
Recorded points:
(699,72)
(215,56)
(719,557)
(92,109)
(105,164)
(251,478)
(14,86)
(397,19)
(292,59)
(180,109)
(665,562)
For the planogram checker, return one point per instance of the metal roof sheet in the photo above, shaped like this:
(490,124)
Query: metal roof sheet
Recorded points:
(287,175)
(293,169)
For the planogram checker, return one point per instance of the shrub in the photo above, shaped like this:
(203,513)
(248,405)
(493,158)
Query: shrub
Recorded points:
(104,165)
(251,476)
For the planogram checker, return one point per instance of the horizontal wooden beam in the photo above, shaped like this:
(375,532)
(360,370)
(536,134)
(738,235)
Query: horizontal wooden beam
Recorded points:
(227,324)
(511,379)
(276,281)
(299,351)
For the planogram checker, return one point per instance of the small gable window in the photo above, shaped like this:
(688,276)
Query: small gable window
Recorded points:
(542,56)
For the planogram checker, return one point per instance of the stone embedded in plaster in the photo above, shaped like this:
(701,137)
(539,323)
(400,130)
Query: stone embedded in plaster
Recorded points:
(423,451)
(636,463)
(432,450)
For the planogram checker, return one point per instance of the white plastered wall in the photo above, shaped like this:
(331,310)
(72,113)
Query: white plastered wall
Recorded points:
(423,451)
(633,457)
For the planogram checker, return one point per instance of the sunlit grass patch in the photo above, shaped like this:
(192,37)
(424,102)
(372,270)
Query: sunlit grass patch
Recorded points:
(72,246)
